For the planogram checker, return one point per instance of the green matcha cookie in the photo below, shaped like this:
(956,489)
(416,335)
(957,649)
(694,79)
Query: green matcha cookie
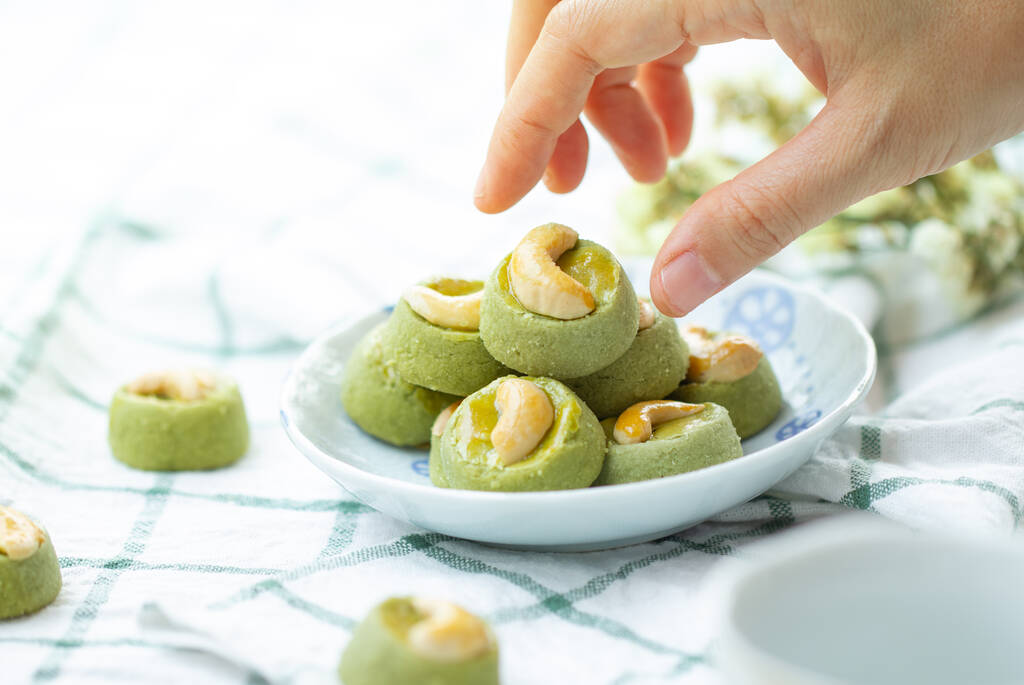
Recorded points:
(521,434)
(558,306)
(434,337)
(731,370)
(653,366)
(178,421)
(416,641)
(434,463)
(380,402)
(29,571)
(662,438)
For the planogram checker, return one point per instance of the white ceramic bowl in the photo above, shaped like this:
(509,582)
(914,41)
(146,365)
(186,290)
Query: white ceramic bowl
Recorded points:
(849,603)
(824,359)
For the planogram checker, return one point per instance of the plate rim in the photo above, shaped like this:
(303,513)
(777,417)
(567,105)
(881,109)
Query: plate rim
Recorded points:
(811,435)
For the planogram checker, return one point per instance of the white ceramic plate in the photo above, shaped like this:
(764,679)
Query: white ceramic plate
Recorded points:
(824,359)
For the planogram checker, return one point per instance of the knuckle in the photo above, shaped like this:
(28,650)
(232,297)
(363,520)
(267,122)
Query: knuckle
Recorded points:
(570,24)
(763,222)
(533,125)
(521,133)
(568,19)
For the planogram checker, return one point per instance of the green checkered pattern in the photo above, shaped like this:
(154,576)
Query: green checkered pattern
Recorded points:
(259,572)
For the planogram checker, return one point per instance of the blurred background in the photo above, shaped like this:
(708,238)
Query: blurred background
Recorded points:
(288,162)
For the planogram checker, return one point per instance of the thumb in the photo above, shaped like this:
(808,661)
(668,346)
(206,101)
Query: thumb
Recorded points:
(835,161)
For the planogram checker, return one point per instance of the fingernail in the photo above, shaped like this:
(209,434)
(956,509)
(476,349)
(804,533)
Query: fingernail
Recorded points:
(686,282)
(481,185)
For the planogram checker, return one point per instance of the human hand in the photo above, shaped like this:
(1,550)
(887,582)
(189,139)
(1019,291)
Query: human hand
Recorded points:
(644,124)
(912,87)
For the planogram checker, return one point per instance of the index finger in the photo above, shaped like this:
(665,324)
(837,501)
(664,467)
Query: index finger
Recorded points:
(568,160)
(545,99)
(575,45)
(525,25)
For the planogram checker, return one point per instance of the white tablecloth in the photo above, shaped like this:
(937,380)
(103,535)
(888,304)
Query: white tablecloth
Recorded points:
(184,182)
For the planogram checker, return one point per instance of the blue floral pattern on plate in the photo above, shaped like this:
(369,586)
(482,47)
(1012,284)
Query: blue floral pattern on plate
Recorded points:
(766,314)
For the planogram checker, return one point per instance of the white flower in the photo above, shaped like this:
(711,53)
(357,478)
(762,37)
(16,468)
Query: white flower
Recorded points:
(941,247)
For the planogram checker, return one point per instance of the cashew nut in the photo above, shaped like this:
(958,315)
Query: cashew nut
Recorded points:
(442,419)
(182,384)
(637,423)
(537,281)
(19,536)
(647,314)
(525,414)
(448,633)
(722,359)
(461,312)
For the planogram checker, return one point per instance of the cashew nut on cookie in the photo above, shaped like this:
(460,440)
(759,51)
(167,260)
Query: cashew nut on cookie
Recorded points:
(637,424)
(461,312)
(448,632)
(538,282)
(181,384)
(724,359)
(525,414)
(647,314)
(19,537)
(441,422)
